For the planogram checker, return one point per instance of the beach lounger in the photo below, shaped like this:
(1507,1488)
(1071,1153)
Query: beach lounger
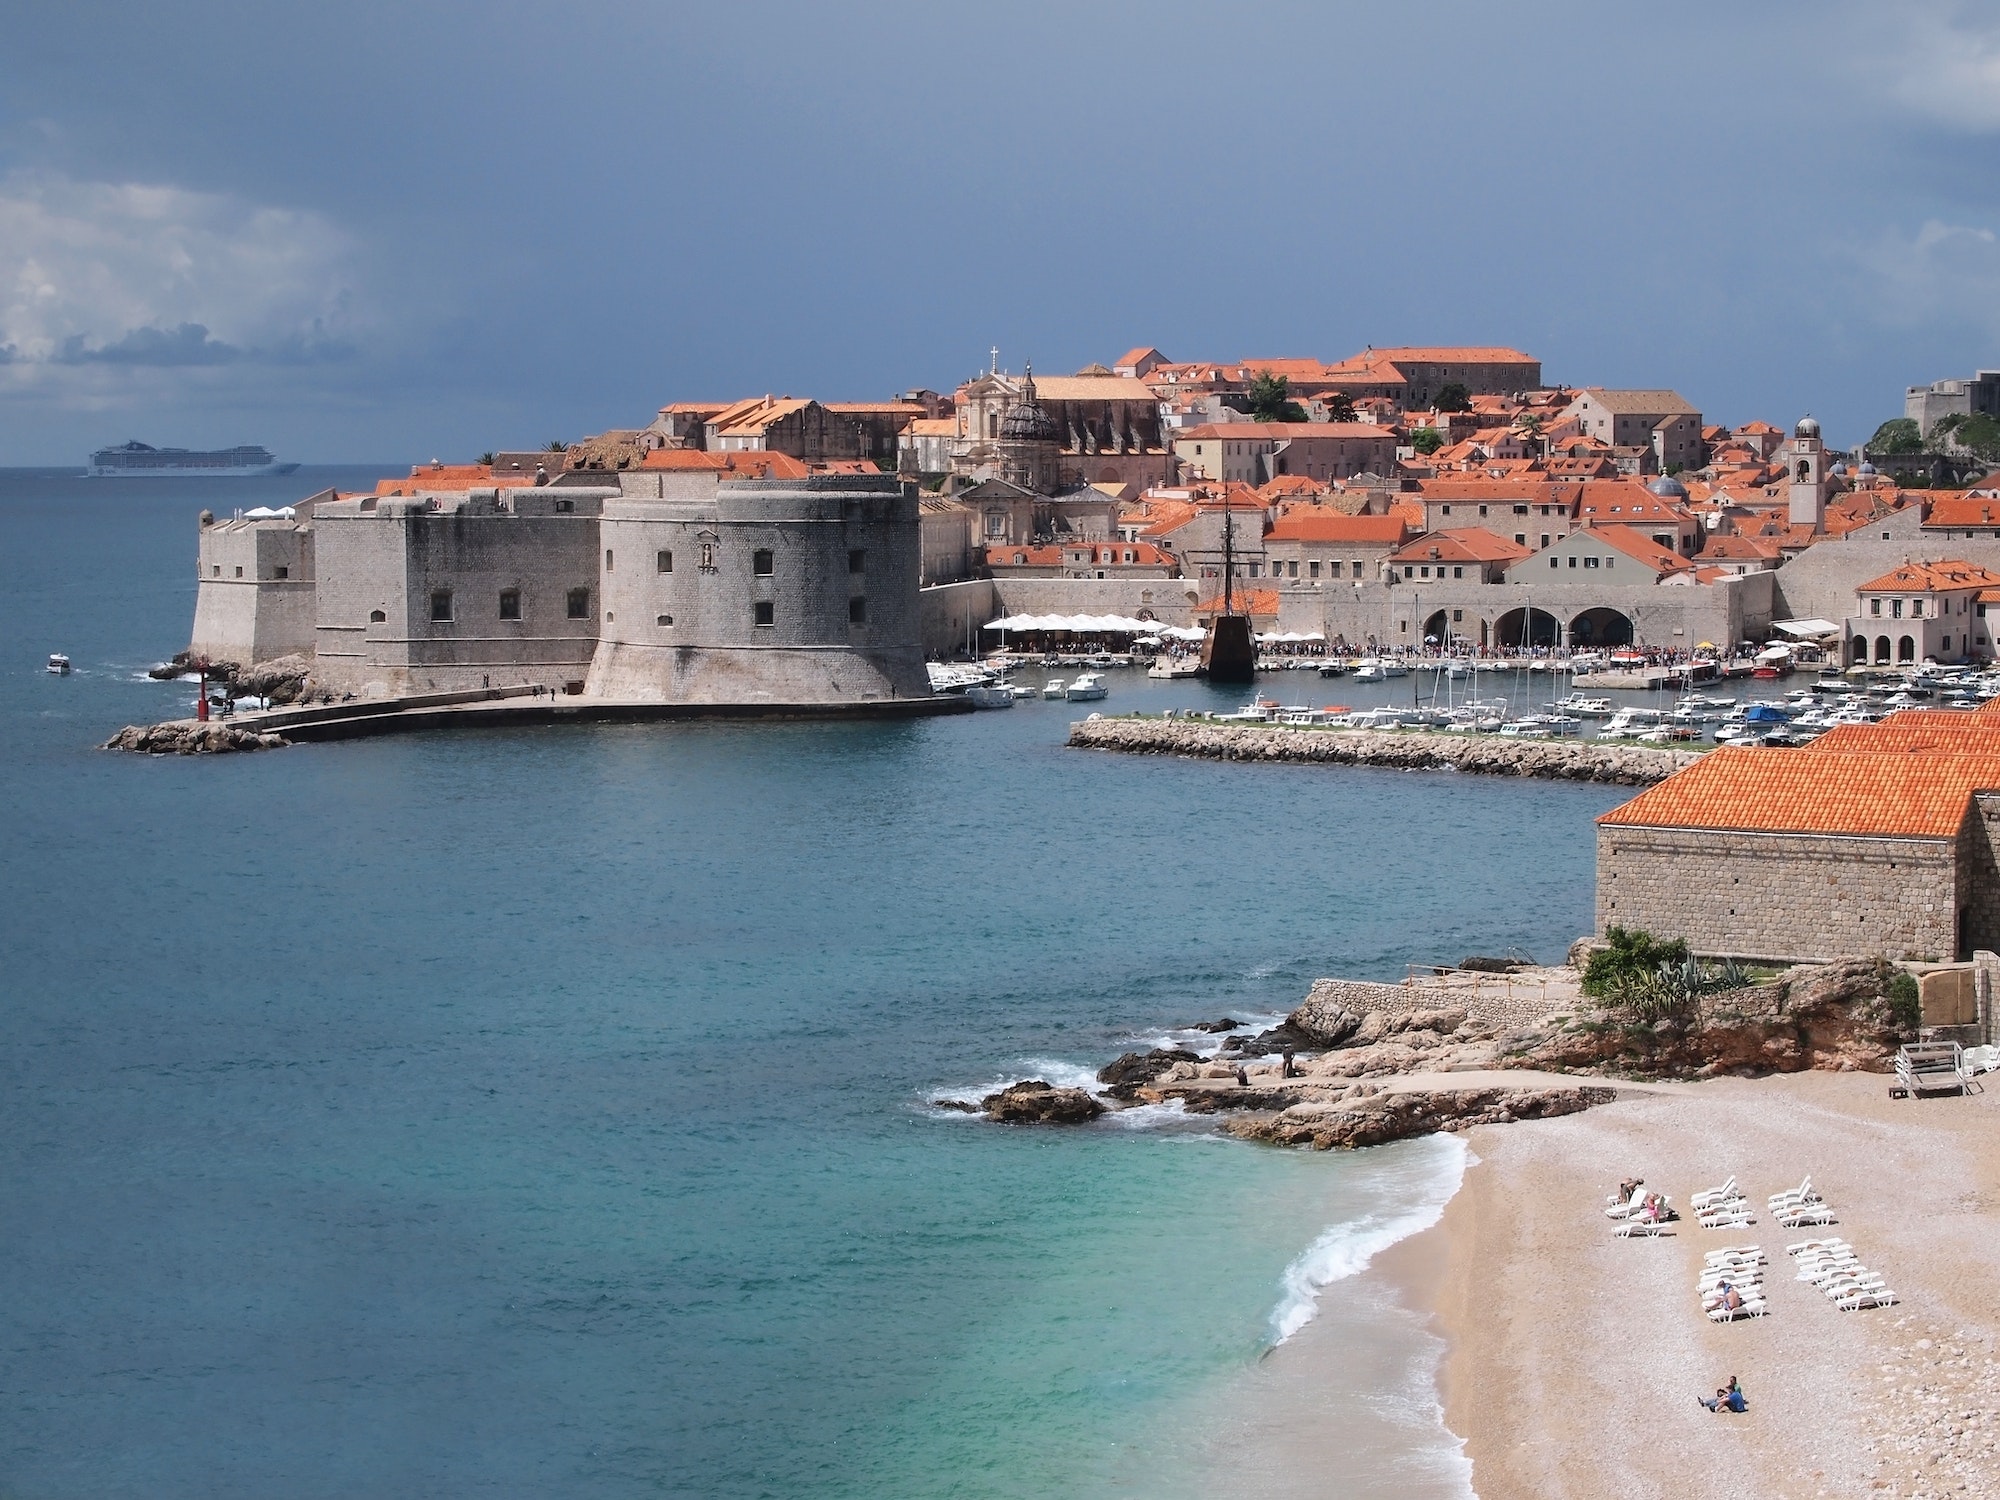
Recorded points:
(1629,1206)
(1831,1243)
(1803,1193)
(1736,1217)
(1882,1298)
(1726,1193)
(1814,1213)
(1750,1309)
(1635,1228)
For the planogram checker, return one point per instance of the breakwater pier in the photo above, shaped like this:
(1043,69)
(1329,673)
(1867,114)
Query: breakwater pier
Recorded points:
(1407,750)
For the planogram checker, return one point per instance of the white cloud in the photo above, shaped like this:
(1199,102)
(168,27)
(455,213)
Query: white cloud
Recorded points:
(1942,274)
(1937,57)
(101,282)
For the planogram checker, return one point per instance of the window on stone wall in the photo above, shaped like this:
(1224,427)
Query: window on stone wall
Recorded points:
(765,612)
(579,604)
(239,572)
(663,620)
(441,606)
(218,569)
(857,560)
(857,610)
(376,617)
(607,559)
(663,562)
(281,571)
(510,604)
(760,562)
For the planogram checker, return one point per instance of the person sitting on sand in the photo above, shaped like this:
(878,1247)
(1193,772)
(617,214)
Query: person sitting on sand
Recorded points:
(1726,1398)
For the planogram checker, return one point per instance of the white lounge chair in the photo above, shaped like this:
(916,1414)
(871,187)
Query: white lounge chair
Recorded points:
(1622,1209)
(1635,1228)
(1812,1213)
(1723,1194)
(1803,1193)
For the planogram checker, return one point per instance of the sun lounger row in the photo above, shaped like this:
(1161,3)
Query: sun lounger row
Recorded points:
(1832,1266)
(1732,1284)
(1722,1207)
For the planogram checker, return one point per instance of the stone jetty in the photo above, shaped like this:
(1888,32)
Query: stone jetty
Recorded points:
(1556,760)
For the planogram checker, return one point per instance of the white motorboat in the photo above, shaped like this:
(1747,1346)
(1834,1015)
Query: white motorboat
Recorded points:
(1394,669)
(1369,669)
(1053,688)
(990,695)
(59,664)
(1086,689)
(1020,693)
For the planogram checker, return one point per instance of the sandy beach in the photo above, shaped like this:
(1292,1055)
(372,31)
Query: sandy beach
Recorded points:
(1575,1357)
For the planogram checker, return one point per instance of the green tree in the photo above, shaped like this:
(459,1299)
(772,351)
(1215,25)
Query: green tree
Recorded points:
(1980,435)
(1427,440)
(487,459)
(1270,399)
(1454,397)
(556,445)
(1898,435)
(1340,407)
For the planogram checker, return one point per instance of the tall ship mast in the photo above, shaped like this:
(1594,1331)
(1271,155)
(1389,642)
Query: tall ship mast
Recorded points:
(137,460)
(1229,653)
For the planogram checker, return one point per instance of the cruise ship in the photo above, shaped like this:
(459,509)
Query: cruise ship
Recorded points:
(136,460)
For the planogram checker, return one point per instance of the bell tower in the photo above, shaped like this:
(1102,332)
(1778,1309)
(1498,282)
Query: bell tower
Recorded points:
(1808,476)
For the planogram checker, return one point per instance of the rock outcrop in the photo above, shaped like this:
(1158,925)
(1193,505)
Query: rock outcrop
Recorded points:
(1127,1073)
(1561,760)
(212,738)
(1377,1119)
(1037,1102)
(1325,1019)
(283,679)
(1825,1016)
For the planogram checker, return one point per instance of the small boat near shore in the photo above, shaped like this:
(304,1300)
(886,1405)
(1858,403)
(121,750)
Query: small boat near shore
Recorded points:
(990,695)
(1086,689)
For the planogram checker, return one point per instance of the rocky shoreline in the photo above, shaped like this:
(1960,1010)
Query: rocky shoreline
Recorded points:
(186,737)
(1360,1064)
(1558,760)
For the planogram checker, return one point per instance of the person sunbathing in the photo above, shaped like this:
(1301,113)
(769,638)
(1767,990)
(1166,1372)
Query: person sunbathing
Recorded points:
(1628,1187)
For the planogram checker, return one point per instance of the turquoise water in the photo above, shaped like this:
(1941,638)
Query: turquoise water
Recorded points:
(545,1112)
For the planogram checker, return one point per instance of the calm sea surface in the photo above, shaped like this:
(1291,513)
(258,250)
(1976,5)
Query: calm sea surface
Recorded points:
(544,1112)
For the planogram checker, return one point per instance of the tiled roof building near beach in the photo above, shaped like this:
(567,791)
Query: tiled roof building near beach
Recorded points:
(1876,839)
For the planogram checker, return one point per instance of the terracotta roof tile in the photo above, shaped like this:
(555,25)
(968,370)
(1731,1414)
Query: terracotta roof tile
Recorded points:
(1856,793)
(1925,577)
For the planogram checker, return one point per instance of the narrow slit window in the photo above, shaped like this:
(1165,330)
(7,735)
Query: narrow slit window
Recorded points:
(665,562)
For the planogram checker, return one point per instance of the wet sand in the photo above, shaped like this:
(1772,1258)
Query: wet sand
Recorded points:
(1575,1358)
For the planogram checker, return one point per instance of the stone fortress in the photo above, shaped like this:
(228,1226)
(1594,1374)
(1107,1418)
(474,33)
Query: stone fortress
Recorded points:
(725,585)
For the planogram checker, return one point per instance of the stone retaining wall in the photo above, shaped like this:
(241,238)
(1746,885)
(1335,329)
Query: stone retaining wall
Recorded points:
(1493,1003)
(1561,760)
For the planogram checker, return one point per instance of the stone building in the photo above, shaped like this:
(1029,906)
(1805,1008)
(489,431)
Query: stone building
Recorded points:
(1922,612)
(1256,452)
(1927,405)
(756,584)
(1660,420)
(1875,839)
(1105,428)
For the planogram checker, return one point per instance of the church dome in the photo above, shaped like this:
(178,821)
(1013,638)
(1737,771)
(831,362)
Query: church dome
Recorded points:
(1668,488)
(1025,421)
(1866,467)
(1807,428)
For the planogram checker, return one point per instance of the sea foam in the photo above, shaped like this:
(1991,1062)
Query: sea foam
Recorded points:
(1425,1185)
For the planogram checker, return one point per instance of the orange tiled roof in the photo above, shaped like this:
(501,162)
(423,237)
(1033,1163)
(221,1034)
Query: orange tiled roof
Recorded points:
(1857,793)
(1257,603)
(1466,544)
(1964,511)
(448,477)
(748,465)
(1310,526)
(1644,548)
(1923,577)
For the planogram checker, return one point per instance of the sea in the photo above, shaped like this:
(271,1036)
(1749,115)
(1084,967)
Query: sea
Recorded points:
(551,1112)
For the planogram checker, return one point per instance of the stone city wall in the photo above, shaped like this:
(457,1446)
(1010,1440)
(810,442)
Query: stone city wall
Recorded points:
(1669,616)
(1493,1000)
(1785,897)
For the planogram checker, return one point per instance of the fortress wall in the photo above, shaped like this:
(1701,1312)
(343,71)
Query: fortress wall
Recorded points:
(766,591)
(1781,896)
(254,593)
(392,560)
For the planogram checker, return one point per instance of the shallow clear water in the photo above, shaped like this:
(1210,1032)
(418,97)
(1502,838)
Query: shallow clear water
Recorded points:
(544,1112)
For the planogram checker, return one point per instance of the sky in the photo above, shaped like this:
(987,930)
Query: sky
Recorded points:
(404,229)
